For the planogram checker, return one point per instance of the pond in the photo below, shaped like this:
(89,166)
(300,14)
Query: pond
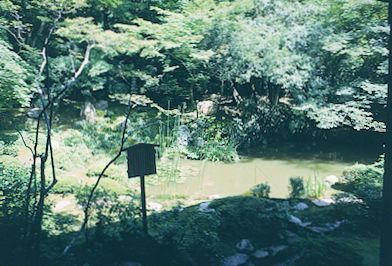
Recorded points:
(215,179)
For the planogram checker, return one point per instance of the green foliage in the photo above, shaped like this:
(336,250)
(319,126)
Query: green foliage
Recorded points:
(102,136)
(261,190)
(312,187)
(327,251)
(13,184)
(247,217)
(212,140)
(365,182)
(297,187)
(15,78)
(193,233)
(7,148)
(315,187)
(262,124)
(215,151)
(14,178)
(110,214)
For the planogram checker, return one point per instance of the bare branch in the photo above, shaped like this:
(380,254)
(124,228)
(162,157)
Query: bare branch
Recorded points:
(24,141)
(16,38)
(89,200)
(85,61)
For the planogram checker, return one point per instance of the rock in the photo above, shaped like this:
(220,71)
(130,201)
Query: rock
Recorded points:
(244,246)
(34,112)
(276,249)
(204,207)
(200,142)
(323,202)
(331,179)
(291,237)
(297,221)
(235,260)
(318,229)
(301,206)
(178,209)
(154,206)
(350,199)
(206,107)
(102,105)
(184,136)
(261,253)
(88,112)
(327,227)
(61,205)
(124,198)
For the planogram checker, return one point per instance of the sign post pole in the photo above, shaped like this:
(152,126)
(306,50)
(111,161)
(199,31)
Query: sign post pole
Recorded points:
(144,208)
(141,162)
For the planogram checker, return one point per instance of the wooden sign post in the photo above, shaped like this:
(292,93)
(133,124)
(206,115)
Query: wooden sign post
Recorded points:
(141,162)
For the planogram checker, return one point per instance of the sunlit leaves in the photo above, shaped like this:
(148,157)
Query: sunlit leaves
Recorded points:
(14,79)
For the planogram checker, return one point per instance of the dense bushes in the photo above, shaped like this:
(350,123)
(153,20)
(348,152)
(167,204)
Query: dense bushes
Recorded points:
(212,139)
(313,187)
(327,252)
(364,181)
(261,123)
(261,190)
(13,184)
(297,188)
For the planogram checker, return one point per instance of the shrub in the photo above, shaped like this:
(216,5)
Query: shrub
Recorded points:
(192,232)
(326,252)
(261,190)
(297,188)
(217,152)
(67,185)
(315,187)
(365,182)
(13,183)
(212,140)
(110,214)
(249,217)
(8,149)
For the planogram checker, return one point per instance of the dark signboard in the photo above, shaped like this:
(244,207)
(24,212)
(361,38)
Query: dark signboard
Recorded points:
(141,160)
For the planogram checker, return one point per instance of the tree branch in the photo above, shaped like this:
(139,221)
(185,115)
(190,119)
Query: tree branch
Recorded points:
(90,198)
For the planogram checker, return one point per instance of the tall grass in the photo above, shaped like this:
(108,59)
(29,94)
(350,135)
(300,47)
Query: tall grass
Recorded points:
(315,187)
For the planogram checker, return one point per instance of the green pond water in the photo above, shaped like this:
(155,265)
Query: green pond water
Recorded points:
(212,179)
(201,179)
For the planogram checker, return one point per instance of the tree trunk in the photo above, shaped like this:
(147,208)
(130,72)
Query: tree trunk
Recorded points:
(273,94)
(386,233)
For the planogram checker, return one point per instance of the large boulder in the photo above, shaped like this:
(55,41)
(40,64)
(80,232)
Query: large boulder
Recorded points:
(331,179)
(184,136)
(261,253)
(88,113)
(205,207)
(323,202)
(301,206)
(235,260)
(206,107)
(34,112)
(244,246)
(154,206)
